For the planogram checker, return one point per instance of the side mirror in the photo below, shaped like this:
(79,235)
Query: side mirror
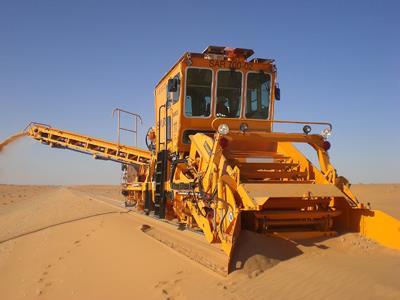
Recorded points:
(277,93)
(173,85)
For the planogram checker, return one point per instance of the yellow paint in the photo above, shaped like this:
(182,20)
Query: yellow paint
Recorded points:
(381,227)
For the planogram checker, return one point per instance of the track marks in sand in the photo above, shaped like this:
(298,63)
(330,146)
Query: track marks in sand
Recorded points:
(61,223)
(171,289)
(47,279)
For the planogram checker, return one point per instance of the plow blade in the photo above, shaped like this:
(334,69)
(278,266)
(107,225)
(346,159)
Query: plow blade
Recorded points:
(186,242)
(380,227)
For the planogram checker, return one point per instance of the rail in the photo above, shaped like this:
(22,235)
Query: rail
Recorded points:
(134,130)
(302,123)
(261,124)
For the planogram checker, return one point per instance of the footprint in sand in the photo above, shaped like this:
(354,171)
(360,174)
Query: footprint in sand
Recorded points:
(170,289)
(222,286)
(160,283)
(41,280)
(44,287)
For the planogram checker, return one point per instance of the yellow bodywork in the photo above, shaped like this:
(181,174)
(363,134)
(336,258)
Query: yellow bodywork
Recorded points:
(251,177)
(381,227)
(347,214)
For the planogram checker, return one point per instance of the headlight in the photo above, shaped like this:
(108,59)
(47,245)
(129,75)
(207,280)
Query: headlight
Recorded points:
(223,129)
(307,129)
(326,132)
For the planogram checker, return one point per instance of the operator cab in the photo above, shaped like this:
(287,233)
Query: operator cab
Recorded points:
(218,84)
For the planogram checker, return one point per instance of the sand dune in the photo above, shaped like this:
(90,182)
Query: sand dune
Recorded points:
(78,243)
(385,197)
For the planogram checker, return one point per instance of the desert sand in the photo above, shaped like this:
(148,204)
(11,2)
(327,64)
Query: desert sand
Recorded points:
(78,242)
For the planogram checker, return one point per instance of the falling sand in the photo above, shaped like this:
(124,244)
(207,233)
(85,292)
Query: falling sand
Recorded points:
(11,139)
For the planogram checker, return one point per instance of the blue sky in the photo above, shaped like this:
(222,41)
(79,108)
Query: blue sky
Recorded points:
(69,63)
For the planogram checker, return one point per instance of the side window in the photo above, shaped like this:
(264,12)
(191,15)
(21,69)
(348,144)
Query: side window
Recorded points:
(257,95)
(198,92)
(174,96)
(229,94)
(168,124)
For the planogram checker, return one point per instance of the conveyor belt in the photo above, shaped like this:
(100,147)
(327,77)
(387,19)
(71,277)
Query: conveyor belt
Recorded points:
(100,149)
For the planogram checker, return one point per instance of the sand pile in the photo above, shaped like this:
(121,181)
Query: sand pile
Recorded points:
(255,253)
(11,139)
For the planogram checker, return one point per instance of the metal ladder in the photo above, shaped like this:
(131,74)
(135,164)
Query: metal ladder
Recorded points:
(160,178)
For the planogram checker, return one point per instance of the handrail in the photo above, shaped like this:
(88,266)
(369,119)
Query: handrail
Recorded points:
(135,130)
(216,122)
(301,122)
(34,124)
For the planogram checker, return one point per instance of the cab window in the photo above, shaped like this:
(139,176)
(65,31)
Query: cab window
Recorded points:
(229,94)
(198,92)
(174,96)
(257,95)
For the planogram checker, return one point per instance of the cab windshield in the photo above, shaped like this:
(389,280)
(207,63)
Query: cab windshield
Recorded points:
(228,97)
(229,94)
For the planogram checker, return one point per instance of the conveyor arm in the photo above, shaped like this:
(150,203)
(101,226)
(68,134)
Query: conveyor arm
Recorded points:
(100,149)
